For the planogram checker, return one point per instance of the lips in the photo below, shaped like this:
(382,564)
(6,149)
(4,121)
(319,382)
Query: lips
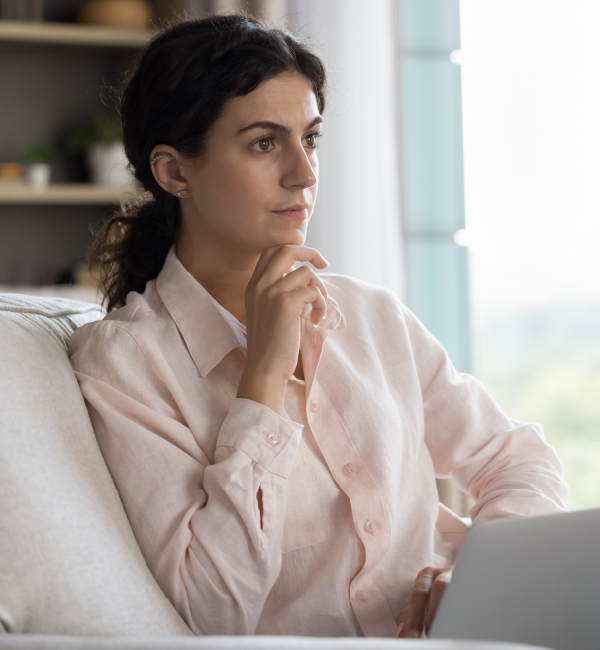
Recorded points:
(299,211)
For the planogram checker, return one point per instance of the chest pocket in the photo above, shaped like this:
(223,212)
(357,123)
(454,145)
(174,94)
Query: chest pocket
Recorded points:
(304,525)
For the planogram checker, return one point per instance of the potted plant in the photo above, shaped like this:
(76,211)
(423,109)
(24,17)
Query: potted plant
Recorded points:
(100,138)
(38,159)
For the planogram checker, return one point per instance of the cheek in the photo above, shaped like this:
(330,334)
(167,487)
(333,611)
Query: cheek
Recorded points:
(254,183)
(223,189)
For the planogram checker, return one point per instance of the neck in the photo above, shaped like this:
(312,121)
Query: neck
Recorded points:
(222,271)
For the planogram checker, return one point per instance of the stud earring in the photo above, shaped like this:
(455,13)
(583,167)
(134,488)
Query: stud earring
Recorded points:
(155,159)
(183,194)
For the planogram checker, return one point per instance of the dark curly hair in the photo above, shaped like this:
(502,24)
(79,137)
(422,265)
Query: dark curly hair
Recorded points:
(183,80)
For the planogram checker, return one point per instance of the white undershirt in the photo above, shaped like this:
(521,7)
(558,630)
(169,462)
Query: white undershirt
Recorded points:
(238,329)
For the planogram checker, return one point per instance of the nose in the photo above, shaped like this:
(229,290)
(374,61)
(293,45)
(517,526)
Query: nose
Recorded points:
(300,169)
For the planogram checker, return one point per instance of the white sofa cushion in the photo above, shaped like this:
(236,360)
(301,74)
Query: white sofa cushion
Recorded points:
(30,642)
(69,563)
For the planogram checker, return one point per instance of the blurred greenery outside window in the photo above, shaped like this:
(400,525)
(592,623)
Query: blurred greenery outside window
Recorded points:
(531,142)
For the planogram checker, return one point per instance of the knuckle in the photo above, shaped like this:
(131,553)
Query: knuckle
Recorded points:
(421,587)
(310,296)
(258,285)
(304,271)
(420,591)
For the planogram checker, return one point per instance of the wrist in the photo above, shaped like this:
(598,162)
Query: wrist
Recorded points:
(265,390)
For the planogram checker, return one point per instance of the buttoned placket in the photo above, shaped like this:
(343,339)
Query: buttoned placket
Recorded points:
(369,605)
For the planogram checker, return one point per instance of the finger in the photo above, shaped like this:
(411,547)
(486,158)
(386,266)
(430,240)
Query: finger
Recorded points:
(301,277)
(272,266)
(401,621)
(264,259)
(401,618)
(418,603)
(438,589)
(308,295)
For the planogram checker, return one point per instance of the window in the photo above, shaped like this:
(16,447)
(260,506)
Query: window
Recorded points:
(531,107)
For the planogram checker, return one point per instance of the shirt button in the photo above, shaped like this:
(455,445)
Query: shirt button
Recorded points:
(371,528)
(273,438)
(350,469)
(315,407)
(361,594)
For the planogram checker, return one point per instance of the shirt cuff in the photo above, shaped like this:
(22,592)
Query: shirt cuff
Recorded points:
(265,436)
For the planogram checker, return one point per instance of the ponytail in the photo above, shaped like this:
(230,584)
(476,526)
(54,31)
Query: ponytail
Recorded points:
(131,246)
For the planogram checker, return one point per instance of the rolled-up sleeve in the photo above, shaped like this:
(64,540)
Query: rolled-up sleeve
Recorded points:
(197,522)
(506,465)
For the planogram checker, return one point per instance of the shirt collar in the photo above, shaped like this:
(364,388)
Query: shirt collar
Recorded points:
(204,329)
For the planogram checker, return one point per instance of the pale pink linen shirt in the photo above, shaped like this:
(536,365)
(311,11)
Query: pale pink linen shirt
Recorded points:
(351,511)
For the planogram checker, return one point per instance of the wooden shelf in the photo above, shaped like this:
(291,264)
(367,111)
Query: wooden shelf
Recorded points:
(61,194)
(71,34)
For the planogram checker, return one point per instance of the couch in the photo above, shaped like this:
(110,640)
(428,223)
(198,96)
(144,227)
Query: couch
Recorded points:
(71,573)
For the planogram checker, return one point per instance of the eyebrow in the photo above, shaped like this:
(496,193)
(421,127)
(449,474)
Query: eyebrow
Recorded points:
(274,126)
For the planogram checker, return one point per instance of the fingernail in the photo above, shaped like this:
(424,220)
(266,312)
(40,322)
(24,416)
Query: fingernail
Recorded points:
(328,264)
(414,633)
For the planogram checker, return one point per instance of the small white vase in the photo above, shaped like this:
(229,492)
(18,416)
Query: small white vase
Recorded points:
(38,175)
(108,165)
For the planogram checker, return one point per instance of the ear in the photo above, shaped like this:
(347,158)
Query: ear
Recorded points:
(167,168)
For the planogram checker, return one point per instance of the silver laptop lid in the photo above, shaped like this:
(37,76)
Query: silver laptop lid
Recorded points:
(534,580)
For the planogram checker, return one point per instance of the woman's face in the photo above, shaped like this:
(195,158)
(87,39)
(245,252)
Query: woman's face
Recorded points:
(255,184)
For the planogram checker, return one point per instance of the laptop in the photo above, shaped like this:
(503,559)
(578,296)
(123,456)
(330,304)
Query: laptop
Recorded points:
(534,580)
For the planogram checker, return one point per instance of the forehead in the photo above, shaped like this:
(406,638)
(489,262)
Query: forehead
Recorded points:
(286,99)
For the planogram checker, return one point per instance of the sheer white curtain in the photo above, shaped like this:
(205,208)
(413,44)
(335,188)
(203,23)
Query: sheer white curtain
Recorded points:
(356,223)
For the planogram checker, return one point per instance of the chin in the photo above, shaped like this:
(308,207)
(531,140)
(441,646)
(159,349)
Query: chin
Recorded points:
(293,236)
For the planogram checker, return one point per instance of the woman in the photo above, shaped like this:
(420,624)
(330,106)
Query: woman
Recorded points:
(275,434)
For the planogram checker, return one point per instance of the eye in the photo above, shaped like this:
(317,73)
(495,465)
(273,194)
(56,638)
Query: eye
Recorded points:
(310,140)
(263,145)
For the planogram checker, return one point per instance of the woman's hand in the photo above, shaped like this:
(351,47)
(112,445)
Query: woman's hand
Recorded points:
(429,588)
(275,298)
